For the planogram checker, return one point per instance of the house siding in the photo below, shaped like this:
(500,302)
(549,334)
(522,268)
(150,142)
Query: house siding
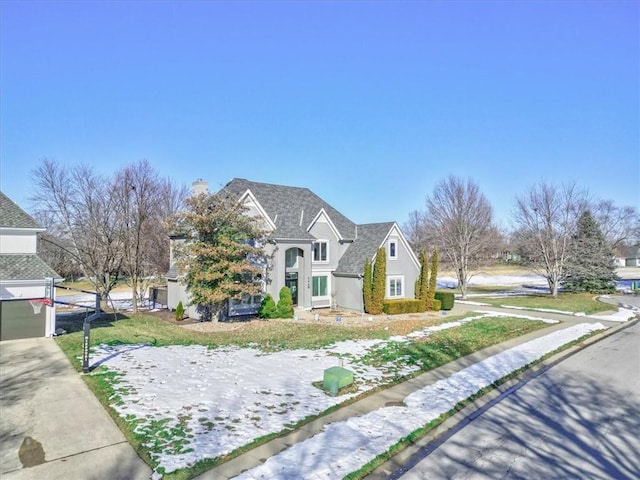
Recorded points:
(348,293)
(403,265)
(277,273)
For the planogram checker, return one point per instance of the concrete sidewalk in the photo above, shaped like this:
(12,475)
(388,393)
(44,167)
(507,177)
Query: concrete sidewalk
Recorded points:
(51,424)
(387,397)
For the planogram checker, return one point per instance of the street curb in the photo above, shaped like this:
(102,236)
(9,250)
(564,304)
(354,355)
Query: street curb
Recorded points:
(404,460)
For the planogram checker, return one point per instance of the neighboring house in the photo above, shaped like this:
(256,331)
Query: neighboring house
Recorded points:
(632,256)
(317,252)
(25,280)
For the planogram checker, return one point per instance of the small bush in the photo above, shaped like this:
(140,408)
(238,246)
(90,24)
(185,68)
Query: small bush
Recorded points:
(436,305)
(446,299)
(393,307)
(268,307)
(179,311)
(285,303)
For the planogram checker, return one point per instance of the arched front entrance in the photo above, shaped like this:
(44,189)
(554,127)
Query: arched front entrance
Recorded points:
(294,265)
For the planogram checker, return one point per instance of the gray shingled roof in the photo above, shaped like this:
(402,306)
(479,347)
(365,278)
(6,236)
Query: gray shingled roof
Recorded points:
(11,215)
(370,238)
(24,267)
(287,205)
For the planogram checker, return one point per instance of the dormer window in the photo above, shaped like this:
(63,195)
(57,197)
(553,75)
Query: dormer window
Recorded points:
(393,249)
(321,251)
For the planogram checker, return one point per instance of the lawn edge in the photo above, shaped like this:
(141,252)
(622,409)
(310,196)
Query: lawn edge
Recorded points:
(444,429)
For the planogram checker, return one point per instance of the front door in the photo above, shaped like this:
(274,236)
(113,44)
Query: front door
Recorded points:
(291,282)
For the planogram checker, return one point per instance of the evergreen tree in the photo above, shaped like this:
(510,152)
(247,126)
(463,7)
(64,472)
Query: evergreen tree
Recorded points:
(285,303)
(367,285)
(433,278)
(222,260)
(268,307)
(379,282)
(422,291)
(179,311)
(591,267)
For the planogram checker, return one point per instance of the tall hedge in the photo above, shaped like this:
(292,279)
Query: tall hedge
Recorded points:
(433,278)
(423,281)
(379,282)
(367,286)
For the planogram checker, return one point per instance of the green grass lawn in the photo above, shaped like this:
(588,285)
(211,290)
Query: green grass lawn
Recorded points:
(567,302)
(269,335)
(426,353)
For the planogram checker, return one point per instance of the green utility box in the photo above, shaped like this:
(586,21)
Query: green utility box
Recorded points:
(335,378)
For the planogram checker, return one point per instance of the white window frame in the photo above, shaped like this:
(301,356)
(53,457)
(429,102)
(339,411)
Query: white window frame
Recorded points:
(394,242)
(313,251)
(402,286)
(328,277)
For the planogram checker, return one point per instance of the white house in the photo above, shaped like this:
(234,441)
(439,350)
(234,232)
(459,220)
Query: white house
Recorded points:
(26,282)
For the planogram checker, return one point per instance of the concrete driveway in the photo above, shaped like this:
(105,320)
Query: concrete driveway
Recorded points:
(51,425)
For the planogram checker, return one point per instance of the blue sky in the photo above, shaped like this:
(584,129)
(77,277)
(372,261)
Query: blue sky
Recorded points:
(368,104)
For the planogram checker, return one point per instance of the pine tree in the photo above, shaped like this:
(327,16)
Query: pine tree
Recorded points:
(285,303)
(379,282)
(222,260)
(179,311)
(422,291)
(367,286)
(591,267)
(433,278)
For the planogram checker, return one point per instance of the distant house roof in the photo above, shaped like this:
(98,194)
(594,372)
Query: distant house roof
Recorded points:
(24,267)
(291,209)
(370,238)
(12,216)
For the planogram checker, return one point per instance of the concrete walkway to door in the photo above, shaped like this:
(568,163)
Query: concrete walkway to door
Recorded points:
(51,425)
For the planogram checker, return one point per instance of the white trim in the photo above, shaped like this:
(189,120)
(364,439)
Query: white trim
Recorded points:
(21,230)
(321,213)
(326,274)
(328,244)
(248,194)
(388,286)
(404,242)
(393,241)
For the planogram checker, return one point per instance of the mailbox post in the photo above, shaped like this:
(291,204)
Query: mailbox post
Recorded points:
(86,329)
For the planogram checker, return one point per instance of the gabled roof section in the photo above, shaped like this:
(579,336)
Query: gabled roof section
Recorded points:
(24,267)
(323,214)
(250,198)
(290,208)
(371,236)
(12,216)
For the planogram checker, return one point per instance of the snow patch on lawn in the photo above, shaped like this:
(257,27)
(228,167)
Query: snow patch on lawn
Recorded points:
(344,447)
(193,402)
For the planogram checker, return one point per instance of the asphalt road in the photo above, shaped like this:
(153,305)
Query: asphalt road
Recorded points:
(579,419)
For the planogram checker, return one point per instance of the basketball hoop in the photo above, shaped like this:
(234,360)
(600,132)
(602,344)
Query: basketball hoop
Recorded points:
(38,303)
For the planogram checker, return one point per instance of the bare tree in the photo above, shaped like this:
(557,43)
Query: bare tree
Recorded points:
(145,201)
(80,209)
(458,221)
(546,218)
(619,224)
(110,226)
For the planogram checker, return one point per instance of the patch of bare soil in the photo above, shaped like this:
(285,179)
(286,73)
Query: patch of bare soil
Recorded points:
(409,322)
